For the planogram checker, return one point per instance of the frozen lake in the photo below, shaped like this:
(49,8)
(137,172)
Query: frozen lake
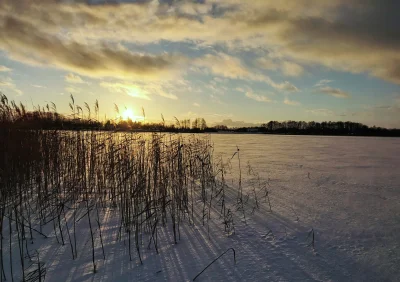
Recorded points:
(346,188)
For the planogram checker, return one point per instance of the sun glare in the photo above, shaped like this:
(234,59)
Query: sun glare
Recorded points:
(128,115)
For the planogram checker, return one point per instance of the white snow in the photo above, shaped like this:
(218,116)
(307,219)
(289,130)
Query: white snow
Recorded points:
(345,189)
(351,200)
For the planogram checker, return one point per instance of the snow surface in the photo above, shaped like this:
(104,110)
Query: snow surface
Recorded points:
(351,199)
(346,189)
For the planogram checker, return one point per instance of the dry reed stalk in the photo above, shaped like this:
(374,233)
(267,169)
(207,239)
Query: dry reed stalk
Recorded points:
(145,180)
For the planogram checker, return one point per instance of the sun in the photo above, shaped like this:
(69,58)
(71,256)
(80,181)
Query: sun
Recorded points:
(128,115)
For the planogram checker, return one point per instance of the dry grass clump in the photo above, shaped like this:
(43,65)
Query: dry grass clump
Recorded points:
(53,178)
(150,180)
(48,177)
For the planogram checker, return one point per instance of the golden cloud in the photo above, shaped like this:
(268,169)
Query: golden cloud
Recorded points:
(73,78)
(257,97)
(230,67)
(347,35)
(335,92)
(29,44)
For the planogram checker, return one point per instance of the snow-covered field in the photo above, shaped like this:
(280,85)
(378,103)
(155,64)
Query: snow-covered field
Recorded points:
(344,189)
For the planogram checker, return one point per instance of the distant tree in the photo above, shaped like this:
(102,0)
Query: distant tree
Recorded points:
(203,124)
(221,127)
(195,124)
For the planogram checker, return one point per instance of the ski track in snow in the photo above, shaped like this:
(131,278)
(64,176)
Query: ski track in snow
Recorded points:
(346,189)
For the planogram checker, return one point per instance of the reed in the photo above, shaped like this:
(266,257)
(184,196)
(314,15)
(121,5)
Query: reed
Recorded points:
(56,178)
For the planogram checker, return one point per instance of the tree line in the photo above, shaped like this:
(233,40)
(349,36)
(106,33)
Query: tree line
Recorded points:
(13,115)
(321,128)
(86,118)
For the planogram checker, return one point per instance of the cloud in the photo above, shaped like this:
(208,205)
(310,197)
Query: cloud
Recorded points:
(72,90)
(30,44)
(240,89)
(396,101)
(259,98)
(5,83)
(8,83)
(355,36)
(267,63)
(286,86)
(233,68)
(321,112)
(385,115)
(286,67)
(224,65)
(73,78)
(167,95)
(287,101)
(292,69)
(196,104)
(162,88)
(323,82)
(125,88)
(384,109)
(139,90)
(4,69)
(38,86)
(335,92)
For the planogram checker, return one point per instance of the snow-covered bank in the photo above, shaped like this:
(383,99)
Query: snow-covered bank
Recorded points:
(344,189)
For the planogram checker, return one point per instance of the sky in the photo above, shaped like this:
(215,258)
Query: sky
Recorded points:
(232,62)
